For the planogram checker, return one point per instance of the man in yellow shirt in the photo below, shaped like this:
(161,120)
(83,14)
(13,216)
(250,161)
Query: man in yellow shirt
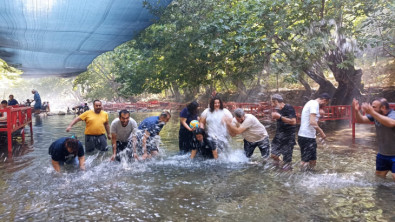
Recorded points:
(96,127)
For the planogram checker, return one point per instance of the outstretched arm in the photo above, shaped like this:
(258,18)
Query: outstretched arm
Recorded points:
(233,130)
(114,146)
(81,160)
(56,166)
(76,120)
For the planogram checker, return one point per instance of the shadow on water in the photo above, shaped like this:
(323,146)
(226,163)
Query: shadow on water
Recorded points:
(174,188)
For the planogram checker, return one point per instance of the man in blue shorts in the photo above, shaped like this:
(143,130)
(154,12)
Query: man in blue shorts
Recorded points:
(384,120)
(308,129)
(65,151)
(147,138)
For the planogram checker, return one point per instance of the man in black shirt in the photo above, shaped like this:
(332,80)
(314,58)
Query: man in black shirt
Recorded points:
(200,144)
(284,140)
(65,150)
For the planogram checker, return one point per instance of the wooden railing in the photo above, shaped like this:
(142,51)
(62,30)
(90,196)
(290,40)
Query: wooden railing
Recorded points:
(17,118)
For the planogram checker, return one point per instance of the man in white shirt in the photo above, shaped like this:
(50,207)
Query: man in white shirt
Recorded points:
(308,129)
(253,132)
(121,129)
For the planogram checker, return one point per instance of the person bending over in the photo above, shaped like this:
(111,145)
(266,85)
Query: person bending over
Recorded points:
(65,151)
(148,136)
(201,145)
(253,132)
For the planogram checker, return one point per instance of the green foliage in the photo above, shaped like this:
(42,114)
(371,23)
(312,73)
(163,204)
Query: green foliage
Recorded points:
(226,44)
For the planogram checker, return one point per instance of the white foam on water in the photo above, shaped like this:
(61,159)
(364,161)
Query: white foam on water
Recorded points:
(317,182)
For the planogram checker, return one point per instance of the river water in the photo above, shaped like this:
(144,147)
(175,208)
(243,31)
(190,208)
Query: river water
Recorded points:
(173,188)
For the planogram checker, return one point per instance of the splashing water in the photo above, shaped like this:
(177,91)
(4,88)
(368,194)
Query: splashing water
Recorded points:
(174,188)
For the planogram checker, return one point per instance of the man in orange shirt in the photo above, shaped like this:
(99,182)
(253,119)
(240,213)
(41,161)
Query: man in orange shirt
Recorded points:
(96,127)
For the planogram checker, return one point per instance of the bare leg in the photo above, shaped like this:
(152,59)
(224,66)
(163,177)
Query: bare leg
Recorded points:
(393,176)
(276,159)
(215,154)
(154,153)
(193,154)
(312,164)
(304,166)
(382,174)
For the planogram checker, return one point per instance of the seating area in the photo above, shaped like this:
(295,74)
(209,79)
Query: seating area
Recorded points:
(17,119)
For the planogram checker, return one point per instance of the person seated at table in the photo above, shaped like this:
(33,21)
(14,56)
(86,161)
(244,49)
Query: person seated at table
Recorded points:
(201,145)
(65,151)
(12,101)
(3,115)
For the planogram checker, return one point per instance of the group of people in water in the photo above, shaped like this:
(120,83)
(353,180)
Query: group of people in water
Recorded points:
(210,138)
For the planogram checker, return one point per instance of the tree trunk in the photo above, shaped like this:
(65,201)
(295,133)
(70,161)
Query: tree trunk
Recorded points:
(315,72)
(306,85)
(241,89)
(190,93)
(349,78)
(176,91)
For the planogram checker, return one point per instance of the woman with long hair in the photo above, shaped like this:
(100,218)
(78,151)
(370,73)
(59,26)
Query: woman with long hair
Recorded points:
(212,120)
(185,135)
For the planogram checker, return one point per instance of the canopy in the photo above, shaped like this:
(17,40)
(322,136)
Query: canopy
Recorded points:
(62,37)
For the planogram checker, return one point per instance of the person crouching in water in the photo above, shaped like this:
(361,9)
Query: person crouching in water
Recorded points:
(201,145)
(66,150)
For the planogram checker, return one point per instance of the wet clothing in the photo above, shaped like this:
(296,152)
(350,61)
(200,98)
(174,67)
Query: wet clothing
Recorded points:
(306,130)
(255,131)
(263,145)
(123,132)
(308,148)
(58,151)
(94,122)
(12,102)
(152,125)
(385,135)
(215,127)
(283,147)
(184,135)
(384,163)
(93,142)
(204,148)
(284,140)
(152,143)
(37,100)
(128,151)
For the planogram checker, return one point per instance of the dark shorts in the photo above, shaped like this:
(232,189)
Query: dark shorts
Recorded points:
(95,142)
(123,151)
(385,163)
(263,145)
(308,148)
(284,146)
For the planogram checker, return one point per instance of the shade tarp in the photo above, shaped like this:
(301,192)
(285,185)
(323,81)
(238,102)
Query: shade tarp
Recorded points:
(62,37)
